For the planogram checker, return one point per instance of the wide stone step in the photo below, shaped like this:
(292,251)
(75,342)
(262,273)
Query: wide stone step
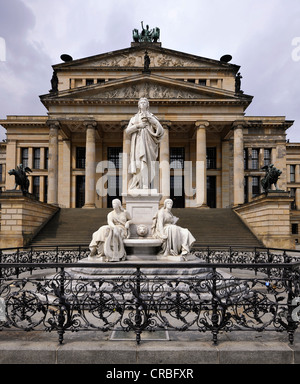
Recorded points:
(208,226)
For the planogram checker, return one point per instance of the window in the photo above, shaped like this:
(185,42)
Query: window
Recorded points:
(177,155)
(255,162)
(255,185)
(246,185)
(202,82)
(211,158)
(267,156)
(293,195)
(295,229)
(114,156)
(100,81)
(46,189)
(80,157)
(246,158)
(292,173)
(89,81)
(25,157)
(36,158)
(46,158)
(36,187)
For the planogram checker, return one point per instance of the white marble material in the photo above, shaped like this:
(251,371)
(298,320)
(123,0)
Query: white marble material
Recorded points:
(107,242)
(145,132)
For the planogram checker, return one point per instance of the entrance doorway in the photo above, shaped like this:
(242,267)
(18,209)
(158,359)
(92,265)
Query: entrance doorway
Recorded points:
(80,191)
(211,191)
(177,191)
(114,189)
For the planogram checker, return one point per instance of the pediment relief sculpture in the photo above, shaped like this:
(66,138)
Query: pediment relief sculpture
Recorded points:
(153,91)
(136,59)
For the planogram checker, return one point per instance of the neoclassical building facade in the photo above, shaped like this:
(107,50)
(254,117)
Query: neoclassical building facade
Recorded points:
(211,153)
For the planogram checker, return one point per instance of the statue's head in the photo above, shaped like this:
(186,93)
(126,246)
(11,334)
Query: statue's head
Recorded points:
(143,103)
(116,203)
(168,203)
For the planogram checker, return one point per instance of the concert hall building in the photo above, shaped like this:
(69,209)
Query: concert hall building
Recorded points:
(214,152)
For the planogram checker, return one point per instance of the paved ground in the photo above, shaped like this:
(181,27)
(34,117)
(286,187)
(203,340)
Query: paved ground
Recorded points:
(173,348)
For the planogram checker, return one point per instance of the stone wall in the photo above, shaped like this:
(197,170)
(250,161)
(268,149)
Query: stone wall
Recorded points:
(21,218)
(269,219)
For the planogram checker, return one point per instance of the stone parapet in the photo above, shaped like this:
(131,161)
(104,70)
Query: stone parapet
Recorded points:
(268,217)
(22,216)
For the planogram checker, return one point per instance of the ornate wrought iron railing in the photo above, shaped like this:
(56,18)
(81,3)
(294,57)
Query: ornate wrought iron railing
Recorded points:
(47,289)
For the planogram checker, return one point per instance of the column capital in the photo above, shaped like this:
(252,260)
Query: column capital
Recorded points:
(53,123)
(239,124)
(201,123)
(90,124)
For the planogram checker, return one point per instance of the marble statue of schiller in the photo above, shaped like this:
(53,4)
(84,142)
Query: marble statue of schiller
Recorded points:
(145,133)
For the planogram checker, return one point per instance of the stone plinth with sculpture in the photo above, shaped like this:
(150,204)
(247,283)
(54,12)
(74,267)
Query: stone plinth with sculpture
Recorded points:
(142,231)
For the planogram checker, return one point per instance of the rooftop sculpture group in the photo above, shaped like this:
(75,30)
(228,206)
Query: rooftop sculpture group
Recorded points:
(146,35)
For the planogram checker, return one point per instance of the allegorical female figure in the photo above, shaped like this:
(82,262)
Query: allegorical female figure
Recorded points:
(107,242)
(177,241)
(145,133)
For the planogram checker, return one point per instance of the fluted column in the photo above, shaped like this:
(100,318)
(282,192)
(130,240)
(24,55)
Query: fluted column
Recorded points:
(164,158)
(53,162)
(90,164)
(201,183)
(125,159)
(238,164)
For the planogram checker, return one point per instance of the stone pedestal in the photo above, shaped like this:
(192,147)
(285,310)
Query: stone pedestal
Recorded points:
(269,218)
(142,205)
(21,218)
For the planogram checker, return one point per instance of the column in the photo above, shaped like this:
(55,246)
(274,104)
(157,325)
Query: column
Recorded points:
(90,164)
(238,164)
(164,158)
(125,159)
(201,187)
(53,162)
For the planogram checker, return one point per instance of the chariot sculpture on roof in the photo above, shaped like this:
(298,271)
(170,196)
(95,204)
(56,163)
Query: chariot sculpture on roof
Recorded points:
(146,35)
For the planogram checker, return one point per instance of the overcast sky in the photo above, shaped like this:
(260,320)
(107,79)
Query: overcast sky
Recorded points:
(263,36)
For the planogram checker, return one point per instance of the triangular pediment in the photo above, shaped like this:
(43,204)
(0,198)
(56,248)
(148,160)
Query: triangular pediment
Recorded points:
(133,57)
(147,85)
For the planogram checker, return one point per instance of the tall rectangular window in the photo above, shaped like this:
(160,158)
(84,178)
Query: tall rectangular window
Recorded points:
(36,187)
(255,185)
(36,158)
(255,161)
(211,158)
(46,159)
(293,195)
(292,173)
(25,157)
(267,156)
(114,156)
(177,155)
(295,230)
(246,158)
(46,189)
(246,189)
(80,157)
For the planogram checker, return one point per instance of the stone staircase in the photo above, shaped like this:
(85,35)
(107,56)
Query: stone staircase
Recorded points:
(209,226)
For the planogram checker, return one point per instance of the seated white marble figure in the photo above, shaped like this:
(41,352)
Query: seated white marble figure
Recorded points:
(107,242)
(177,241)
